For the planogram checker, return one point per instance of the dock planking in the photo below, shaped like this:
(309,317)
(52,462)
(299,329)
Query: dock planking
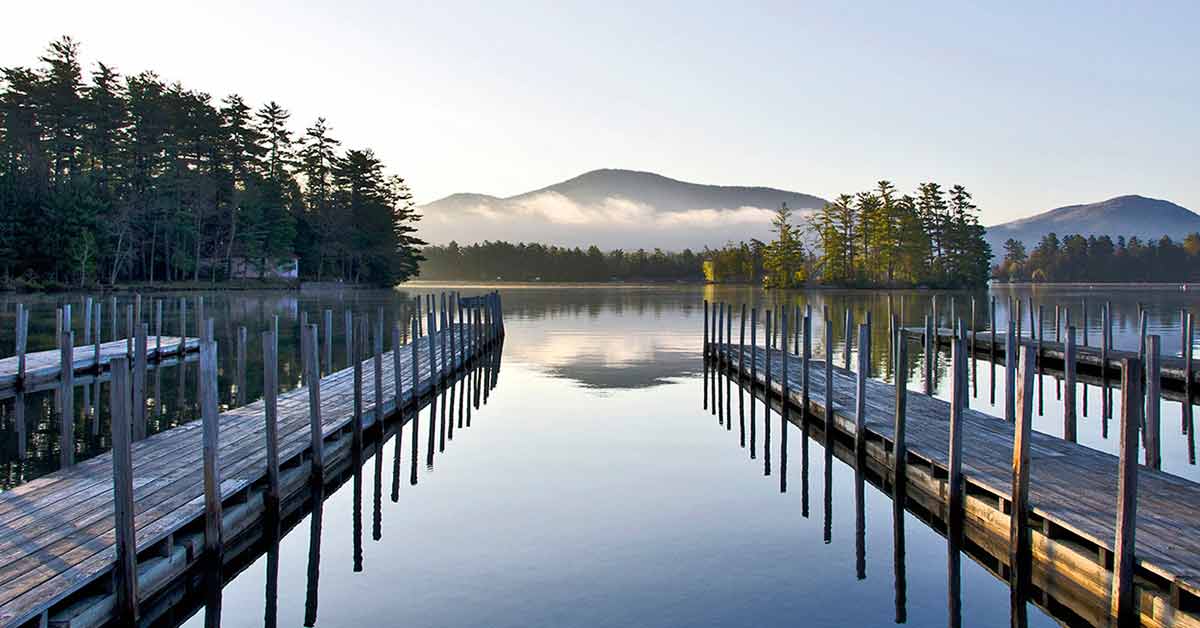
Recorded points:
(1072,491)
(44,368)
(56,532)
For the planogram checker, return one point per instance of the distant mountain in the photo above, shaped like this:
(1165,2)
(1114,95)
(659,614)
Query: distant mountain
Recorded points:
(1120,216)
(613,209)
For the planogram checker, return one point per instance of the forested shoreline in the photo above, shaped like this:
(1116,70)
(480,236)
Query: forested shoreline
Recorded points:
(134,178)
(1098,259)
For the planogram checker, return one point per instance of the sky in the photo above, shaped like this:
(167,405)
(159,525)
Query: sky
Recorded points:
(1030,105)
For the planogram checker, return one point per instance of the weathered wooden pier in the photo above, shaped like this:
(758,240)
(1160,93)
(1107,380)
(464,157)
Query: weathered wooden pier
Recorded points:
(1114,541)
(96,542)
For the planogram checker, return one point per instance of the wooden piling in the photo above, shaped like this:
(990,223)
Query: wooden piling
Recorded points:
(753,351)
(1084,331)
(806,356)
(1010,374)
(312,379)
(1143,325)
(213,544)
(139,383)
(971,326)
(327,319)
(1124,607)
(742,343)
(67,379)
(829,421)
(929,355)
(356,358)
(397,379)
(706,347)
(955,480)
(1104,329)
(860,390)
(182,326)
(158,328)
(349,321)
(1188,367)
(849,329)
(1069,416)
(720,331)
(416,364)
(22,341)
(992,326)
(1018,532)
(112,305)
(241,366)
(899,432)
(378,398)
(125,584)
(1153,401)
(96,321)
(270,411)
(130,331)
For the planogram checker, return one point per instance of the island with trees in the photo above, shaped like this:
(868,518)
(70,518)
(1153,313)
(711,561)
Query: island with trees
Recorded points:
(135,178)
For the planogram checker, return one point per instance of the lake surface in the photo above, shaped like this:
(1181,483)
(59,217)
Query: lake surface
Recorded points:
(594,488)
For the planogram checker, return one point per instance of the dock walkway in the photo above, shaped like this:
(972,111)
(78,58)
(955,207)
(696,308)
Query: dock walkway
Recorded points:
(57,533)
(1073,489)
(43,368)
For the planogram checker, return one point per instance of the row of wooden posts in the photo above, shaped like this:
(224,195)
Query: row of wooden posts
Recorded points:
(463,326)
(718,347)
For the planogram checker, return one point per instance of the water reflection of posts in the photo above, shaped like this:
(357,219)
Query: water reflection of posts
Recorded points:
(317,498)
(213,543)
(753,378)
(899,479)
(1123,606)
(729,363)
(1019,534)
(767,400)
(955,480)
(783,414)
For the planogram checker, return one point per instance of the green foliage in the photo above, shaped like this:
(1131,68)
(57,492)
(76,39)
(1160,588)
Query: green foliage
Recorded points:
(1075,258)
(139,179)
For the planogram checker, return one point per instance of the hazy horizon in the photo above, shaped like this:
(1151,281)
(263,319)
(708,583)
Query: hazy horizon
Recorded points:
(1031,107)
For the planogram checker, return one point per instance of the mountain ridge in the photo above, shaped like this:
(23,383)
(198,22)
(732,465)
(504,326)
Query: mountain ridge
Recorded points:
(1126,215)
(614,208)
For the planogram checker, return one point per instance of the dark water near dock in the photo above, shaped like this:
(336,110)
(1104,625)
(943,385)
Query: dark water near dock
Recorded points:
(593,489)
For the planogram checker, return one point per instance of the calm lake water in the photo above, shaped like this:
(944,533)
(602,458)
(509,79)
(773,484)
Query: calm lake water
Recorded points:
(593,488)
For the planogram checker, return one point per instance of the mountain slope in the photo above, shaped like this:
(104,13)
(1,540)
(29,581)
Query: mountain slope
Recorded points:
(1120,216)
(614,209)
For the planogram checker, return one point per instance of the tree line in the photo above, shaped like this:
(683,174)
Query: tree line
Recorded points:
(873,238)
(486,261)
(135,178)
(1100,259)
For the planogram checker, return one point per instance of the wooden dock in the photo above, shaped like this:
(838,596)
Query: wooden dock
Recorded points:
(44,368)
(58,541)
(1072,491)
(1087,359)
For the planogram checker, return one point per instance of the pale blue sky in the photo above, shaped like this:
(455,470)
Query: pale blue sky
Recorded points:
(1030,105)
